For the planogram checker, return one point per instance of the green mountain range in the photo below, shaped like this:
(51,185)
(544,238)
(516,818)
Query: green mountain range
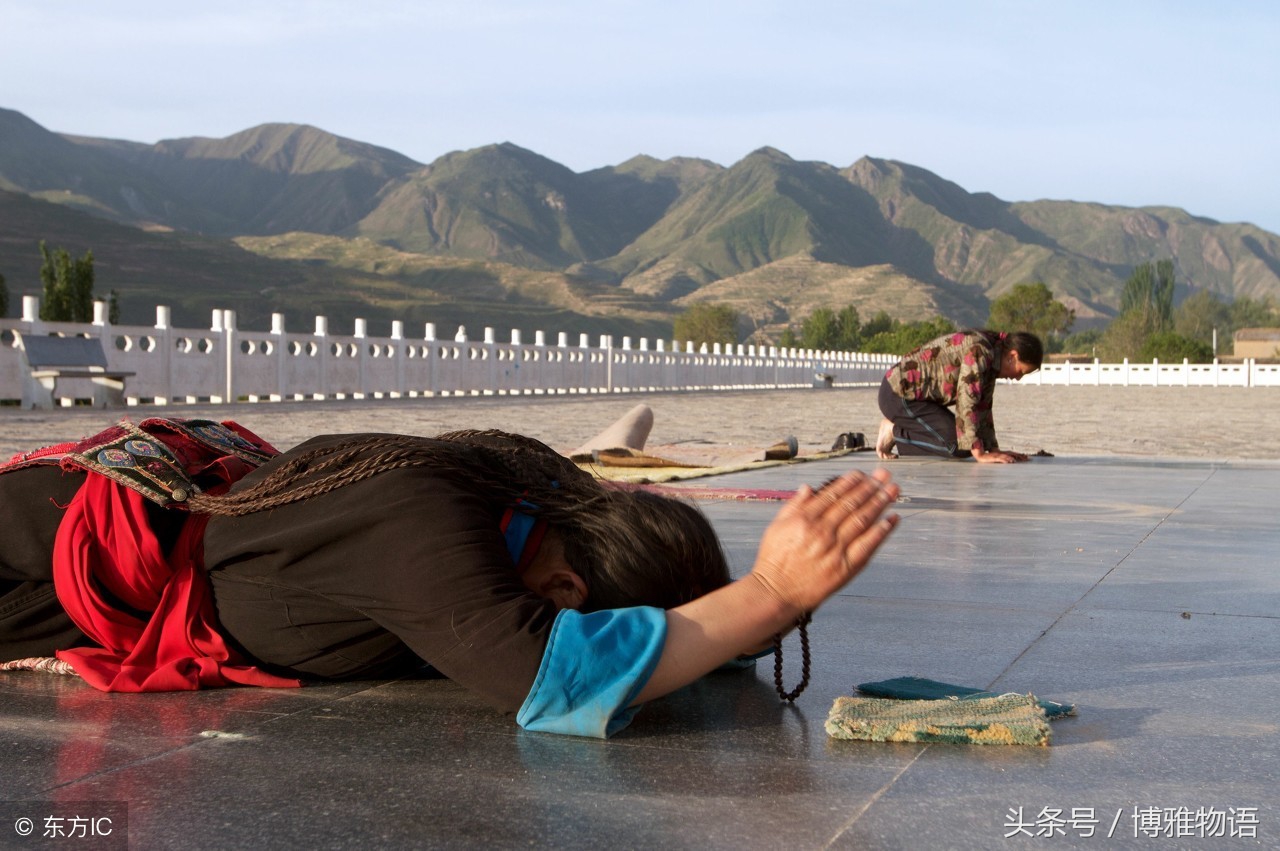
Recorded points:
(288,218)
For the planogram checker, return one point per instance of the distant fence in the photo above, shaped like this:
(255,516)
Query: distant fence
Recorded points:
(1247,373)
(225,363)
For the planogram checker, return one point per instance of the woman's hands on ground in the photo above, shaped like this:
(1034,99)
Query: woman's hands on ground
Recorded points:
(821,540)
(997,456)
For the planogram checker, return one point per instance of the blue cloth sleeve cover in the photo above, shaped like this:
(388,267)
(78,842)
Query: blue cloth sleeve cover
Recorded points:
(592,669)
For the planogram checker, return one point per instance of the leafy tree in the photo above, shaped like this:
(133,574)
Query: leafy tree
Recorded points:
(1253,313)
(1250,313)
(905,336)
(827,330)
(1083,342)
(4,298)
(1125,336)
(878,324)
(68,286)
(707,323)
(848,330)
(819,330)
(1172,346)
(1200,314)
(113,308)
(1031,307)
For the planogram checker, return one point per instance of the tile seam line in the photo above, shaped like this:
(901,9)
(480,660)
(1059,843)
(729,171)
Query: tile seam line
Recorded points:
(1072,607)
(876,796)
(879,793)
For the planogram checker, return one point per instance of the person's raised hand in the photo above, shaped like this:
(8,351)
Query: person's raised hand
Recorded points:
(822,539)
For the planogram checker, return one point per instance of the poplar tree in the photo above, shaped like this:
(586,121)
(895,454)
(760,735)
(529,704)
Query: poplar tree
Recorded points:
(1146,311)
(67,286)
(1149,290)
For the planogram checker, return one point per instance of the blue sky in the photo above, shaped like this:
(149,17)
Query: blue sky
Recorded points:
(1130,102)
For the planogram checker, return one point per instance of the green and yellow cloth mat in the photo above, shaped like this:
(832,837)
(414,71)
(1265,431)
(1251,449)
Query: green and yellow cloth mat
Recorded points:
(912,709)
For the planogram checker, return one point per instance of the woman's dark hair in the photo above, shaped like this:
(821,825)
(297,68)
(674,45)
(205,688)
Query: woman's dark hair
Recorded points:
(630,546)
(1028,346)
(633,547)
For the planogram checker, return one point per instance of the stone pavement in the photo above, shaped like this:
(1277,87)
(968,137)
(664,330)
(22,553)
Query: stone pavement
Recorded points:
(1221,423)
(1142,589)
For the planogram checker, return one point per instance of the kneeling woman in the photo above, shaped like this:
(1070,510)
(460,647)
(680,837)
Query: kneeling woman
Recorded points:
(486,555)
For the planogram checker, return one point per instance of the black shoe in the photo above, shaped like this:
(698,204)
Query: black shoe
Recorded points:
(849,441)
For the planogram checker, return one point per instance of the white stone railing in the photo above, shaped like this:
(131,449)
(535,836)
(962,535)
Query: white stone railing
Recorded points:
(226,363)
(1246,373)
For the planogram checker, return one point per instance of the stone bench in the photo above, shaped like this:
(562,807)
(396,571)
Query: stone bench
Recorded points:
(50,359)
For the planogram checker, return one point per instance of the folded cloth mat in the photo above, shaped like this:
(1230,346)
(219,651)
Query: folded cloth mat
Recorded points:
(919,688)
(1007,719)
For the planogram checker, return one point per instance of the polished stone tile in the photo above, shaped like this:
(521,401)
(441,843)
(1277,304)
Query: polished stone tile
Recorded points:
(1066,577)
(1172,713)
(421,765)
(58,730)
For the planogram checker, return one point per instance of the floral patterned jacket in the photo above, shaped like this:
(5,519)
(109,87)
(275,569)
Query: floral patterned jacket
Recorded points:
(956,369)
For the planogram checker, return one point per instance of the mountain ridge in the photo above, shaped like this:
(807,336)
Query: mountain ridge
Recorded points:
(644,238)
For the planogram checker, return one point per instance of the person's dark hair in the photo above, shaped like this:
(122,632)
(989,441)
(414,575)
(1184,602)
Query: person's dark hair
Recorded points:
(1028,346)
(630,546)
(635,547)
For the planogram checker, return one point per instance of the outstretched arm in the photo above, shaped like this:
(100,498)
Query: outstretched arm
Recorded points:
(815,546)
